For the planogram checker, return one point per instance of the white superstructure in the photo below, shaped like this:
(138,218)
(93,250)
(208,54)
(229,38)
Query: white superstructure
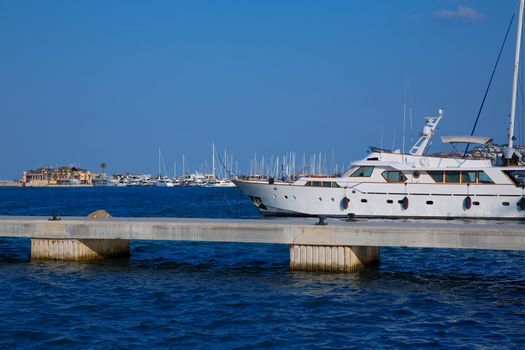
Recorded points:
(392,184)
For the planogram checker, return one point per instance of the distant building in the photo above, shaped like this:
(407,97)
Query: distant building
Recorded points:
(62,176)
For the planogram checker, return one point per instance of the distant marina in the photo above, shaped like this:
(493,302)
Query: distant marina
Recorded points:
(75,177)
(285,168)
(71,176)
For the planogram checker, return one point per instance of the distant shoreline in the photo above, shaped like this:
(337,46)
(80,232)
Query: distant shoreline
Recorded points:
(19,184)
(10,184)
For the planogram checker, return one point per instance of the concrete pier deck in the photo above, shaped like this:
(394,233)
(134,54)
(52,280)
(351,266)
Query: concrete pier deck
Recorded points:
(498,235)
(339,246)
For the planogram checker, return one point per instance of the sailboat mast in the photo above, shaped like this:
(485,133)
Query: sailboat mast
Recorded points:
(159,163)
(515,81)
(213,159)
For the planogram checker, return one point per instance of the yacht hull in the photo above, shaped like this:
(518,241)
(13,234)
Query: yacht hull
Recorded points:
(377,201)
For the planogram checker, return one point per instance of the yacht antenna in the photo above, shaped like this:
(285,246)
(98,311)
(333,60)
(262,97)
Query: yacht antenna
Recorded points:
(411,138)
(404,127)
(333,161)
(394,140)
(411,129)
(381,148)
(404,119)
(320,166)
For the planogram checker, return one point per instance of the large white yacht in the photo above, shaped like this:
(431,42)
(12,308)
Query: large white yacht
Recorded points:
(411,185)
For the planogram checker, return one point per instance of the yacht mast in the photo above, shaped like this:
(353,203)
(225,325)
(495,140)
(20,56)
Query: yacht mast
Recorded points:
(515,81)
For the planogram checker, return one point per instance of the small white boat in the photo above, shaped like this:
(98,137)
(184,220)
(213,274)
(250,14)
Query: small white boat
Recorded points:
(163,182)
(105,181)
(220,183)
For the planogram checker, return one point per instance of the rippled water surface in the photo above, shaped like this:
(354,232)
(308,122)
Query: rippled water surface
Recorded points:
(175,294)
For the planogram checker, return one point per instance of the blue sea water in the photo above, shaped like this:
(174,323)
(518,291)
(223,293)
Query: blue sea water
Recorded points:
(224,295)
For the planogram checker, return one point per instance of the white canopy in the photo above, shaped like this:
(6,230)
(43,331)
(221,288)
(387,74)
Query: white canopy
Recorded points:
(480,140)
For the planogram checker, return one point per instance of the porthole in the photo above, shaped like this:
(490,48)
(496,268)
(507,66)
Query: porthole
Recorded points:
(363,200)
(475,203)
(353,191)
(416,174)
(293,197)
(389,201)
(333,200)
(320,198)
(275,188)
(505,204)
(400,201)
(430,202)
(285,197)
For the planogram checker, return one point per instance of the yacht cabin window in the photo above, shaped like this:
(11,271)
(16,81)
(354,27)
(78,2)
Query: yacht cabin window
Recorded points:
(452,176)
(437,176)
(321,184)
(394,176)
(484,178)
(468,177)
(460,177)
(363,171)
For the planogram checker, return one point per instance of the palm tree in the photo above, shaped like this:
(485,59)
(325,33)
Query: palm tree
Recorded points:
(103,167)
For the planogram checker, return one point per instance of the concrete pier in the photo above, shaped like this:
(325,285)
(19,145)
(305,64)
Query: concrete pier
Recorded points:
(338,246)
(332,258)
(78,249)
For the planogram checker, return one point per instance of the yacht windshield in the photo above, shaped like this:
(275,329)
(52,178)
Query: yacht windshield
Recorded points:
(517,176)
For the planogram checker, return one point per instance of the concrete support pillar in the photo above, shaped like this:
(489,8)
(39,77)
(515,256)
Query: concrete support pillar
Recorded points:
(78,249)
(332,258)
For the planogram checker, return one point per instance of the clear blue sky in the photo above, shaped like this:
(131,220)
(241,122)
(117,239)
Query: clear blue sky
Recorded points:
(86,82)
